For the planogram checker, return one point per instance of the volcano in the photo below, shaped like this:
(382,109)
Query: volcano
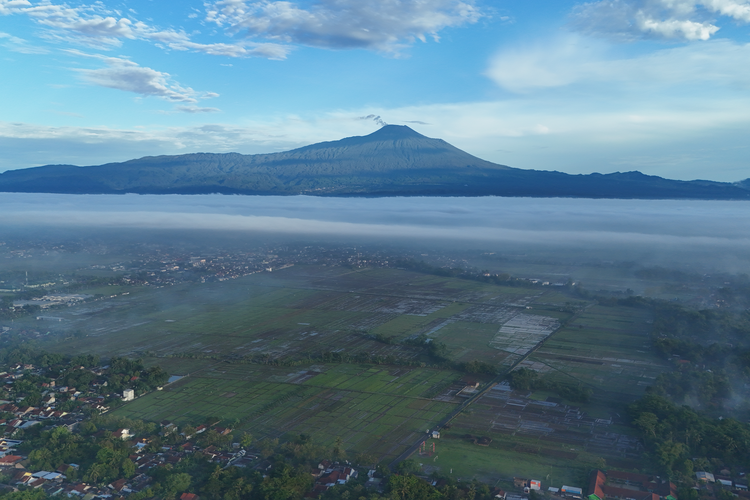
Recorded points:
(393,161)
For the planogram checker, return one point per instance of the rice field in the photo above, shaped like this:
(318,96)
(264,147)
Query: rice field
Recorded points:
(209,332)
(373,409)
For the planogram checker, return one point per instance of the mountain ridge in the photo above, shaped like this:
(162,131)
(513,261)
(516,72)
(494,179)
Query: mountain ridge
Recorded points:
(392,161)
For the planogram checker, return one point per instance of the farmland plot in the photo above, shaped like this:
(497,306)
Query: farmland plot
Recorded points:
(379,410)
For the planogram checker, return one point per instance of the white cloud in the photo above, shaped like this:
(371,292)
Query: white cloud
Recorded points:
(20,45)
(95,26)
(674,28)
(662,19)
(551,63)
(8,7)
(196,109)
(122,74)
(573,59)
(739,10)
(387,25)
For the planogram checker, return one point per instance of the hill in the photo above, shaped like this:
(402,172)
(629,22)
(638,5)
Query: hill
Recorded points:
(393,161)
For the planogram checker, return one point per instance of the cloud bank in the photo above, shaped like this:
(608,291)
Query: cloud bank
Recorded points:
(711,234)
(387,25)
(572,59)
(689,20)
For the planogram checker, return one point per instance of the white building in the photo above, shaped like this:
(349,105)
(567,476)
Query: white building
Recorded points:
(128,395)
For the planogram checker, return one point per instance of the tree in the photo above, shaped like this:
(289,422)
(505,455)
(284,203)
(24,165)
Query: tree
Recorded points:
(41,458)
(408,466)
(409,487)
(647,423)
(338,449)
(668,452)
(128,468)
(177,483)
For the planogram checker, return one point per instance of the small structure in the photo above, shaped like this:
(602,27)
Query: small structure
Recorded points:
(571,491)
(705,477)
(435,434)
(10,460)
(128,395)
(123,434)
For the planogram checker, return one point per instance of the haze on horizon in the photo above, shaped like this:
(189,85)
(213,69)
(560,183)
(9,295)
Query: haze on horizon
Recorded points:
(651,85)
(699,236)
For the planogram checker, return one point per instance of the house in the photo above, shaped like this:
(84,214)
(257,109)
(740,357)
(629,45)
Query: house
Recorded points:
(189,496)
(118,485)
(337,474)
(629,486)
(520,482)
(706,477)
(435,435)
(123,434)
(167,428)
(10,460)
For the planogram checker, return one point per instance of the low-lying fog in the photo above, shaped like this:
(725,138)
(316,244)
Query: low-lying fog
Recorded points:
(710,234)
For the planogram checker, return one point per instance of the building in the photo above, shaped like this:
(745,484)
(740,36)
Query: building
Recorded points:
(706,477)
(128,395)
(571,491)
(629,486)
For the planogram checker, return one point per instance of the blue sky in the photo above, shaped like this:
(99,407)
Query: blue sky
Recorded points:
(660,86)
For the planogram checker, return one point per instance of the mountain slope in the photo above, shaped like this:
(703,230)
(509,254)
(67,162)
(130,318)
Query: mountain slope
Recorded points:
(395,160)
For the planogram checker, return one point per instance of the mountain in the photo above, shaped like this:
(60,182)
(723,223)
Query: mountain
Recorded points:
(393,161)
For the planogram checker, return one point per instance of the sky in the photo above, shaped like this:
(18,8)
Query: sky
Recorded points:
(659,86)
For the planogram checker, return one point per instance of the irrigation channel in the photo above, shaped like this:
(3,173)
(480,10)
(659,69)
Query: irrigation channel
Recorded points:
(499,378)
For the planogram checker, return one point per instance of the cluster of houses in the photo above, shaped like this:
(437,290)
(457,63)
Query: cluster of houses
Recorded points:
(633,486)
(27,416)
(328,475)
(56,482)
(629,486)
(534,485)
(708,481)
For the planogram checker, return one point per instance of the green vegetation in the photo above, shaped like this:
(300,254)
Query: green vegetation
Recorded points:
(681,440)
(529,380)
(375,410)
(364,361)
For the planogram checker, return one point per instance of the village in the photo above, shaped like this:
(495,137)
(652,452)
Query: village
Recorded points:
(170,445)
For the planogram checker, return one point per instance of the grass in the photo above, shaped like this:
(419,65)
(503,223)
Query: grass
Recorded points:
(207,330)
(606,348)
(500,461)
(378,410)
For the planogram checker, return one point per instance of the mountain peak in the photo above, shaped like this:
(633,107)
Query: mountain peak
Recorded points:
(394,132)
